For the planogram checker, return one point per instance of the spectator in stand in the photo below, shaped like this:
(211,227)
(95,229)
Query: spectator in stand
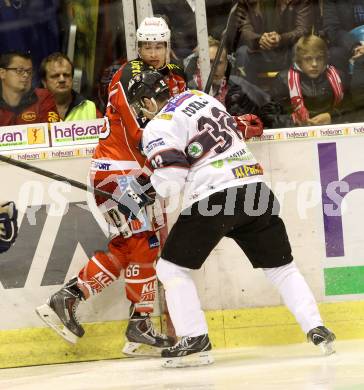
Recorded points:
(56,72)
(340,17)
(219,82)
(311,92)
(269,29)
(19,102)
(357,92)
(238,95)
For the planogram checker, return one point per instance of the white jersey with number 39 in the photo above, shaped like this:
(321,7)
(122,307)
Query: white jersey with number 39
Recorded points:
(194,146)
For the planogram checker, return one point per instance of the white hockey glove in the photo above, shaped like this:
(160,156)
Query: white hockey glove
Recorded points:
(8,225)
(115,218)
(138,193)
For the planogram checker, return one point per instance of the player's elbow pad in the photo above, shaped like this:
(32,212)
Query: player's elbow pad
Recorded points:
(166,187)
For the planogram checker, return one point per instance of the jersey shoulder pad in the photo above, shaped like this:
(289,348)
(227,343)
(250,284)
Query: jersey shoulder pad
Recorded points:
(131,69)
(176,69)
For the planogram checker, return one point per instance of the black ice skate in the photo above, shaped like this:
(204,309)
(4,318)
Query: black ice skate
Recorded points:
(189,352)
(324,338)
(59,312)
(142,339)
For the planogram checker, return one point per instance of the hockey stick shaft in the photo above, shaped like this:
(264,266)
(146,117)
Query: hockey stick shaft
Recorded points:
(55,176)
(166,322)
(220,48)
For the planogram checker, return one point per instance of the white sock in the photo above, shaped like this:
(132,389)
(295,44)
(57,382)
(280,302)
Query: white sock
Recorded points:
(296,295)
(182,300)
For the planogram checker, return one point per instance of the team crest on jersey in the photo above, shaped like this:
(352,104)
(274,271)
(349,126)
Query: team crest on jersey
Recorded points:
(28,116)
(53,117)
(195,149)
(136,78)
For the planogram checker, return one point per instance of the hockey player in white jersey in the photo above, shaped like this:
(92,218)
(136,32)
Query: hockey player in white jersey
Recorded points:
(8,225)
(194,146)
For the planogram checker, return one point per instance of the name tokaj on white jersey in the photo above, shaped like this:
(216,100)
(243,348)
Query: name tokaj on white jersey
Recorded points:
(190,142)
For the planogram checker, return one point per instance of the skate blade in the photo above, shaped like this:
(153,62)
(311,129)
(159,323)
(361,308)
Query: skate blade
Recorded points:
(194,360)
(50,318)
(132,349)
(327,348)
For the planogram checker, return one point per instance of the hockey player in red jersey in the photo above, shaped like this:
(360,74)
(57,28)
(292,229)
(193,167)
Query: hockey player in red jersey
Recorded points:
(133,249)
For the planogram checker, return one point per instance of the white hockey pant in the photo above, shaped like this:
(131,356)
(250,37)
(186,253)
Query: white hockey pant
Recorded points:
(182,300)
(296,294)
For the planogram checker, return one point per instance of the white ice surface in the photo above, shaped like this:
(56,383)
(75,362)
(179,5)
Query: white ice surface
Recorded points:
(292,367)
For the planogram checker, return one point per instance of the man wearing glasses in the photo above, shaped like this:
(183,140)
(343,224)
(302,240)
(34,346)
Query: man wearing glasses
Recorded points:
(19,102)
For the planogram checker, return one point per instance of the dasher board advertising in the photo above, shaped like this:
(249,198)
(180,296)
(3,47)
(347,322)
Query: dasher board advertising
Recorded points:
(30,136)
(76,132)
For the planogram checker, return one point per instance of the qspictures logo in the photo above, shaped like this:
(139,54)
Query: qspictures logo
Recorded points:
(68,238)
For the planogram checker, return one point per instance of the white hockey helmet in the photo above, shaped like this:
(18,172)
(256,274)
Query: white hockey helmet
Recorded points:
(154,29)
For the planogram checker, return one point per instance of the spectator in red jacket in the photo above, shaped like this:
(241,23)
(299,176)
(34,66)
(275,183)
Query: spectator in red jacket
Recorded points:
(311,91)
(19,102)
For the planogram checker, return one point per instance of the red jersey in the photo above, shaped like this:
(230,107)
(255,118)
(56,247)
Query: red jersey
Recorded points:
(36,106)
(119,142)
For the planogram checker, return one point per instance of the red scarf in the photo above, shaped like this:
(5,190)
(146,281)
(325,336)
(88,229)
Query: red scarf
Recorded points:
(300,113)
(219,92)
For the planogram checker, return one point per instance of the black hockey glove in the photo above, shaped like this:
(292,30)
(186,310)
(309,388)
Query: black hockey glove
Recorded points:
(8,225)
(141,148)
(138,193)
